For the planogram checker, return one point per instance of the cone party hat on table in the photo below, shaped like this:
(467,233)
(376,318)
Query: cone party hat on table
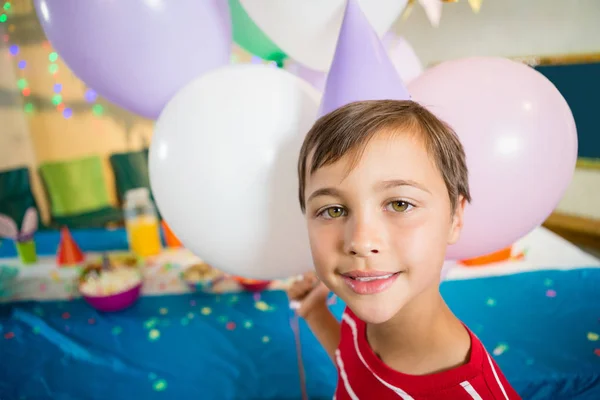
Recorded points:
(361,69)
(68,252)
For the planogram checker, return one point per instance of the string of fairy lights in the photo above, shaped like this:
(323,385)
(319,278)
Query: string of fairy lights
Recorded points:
(15,52)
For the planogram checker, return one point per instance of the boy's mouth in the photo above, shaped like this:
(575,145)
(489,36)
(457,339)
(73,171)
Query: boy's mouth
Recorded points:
(369,282)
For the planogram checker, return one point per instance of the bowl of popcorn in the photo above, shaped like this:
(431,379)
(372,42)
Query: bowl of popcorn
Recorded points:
(252,285)
(201,277)
(112,288)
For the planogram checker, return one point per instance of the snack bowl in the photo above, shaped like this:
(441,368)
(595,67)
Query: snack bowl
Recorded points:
(110,289)
(252,285)
(201,277)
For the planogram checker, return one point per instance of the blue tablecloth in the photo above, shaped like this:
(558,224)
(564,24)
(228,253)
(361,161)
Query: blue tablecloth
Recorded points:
(542,328)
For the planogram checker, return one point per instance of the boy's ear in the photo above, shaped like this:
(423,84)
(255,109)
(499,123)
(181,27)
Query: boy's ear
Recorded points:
(457,220)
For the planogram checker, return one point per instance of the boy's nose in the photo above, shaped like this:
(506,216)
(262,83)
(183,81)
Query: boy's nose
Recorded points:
(363,239)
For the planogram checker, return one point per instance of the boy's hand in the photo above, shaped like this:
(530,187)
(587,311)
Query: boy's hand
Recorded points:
(308,294)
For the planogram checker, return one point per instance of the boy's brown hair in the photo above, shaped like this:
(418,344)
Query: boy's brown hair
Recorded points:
(348,130)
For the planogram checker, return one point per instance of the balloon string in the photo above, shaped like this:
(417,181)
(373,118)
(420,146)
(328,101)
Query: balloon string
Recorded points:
(294,322)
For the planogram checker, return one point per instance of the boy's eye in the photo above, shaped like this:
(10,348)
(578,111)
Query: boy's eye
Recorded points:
(332,212)
(400,206)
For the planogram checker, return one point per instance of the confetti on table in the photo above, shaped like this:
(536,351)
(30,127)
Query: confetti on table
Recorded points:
(230,326)
(222,319)
(150,323)
(9,335)
(91,321)
(43,287)
(163,311)
(597,352)
(66,315)
(256,296)
(529,361)
(185,321)
(233,299)
(38,311)
(262,306)
(116,330)
(550,293)
(190,315)
(265,339)
(36,330)
(248,324)
(55,276)
(154,334)
(548,282)
(152,376)
(592,336)
(192,303)
(491,302)
(218,299)
(160,385)
(206,311)
(500,349)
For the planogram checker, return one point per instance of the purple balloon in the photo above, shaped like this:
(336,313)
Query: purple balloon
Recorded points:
(361,68)
(520,140)
(138,53)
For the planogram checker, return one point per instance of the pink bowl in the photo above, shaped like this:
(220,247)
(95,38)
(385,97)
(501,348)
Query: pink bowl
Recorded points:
(114,302)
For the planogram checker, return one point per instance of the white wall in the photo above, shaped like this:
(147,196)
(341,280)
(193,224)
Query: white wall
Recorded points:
(516,28)
(508,28)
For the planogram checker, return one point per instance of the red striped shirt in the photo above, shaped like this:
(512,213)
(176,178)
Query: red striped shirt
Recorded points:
(362,375)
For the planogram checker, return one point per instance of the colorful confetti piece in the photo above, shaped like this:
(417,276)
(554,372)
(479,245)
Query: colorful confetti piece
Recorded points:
(548,282)
(163,311)
(116,330)
(500,349)
(230,326)
(66,315)
(233,299)
(206,311)
(55,276)
(593,337)
(160,385)
(9,335)
(266,339)
(491,302)
(150,323)
(222,319)
(597,352)
(43,287)
(36,330)
(152,376)
(91,321)
(248,324)
(256,296)
(550,293)
(262,306)
(38,311)
(185,321)
(193,303)
(154,334)
(190,315)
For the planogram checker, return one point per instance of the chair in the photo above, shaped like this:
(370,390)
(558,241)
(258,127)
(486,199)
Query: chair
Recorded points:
(131,171)
(15,194)
(78,193)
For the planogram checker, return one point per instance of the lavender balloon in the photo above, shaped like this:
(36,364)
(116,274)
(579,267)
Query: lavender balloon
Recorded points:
(138,53)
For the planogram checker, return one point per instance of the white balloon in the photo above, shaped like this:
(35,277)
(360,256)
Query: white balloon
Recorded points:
(223,169)
(307,30)
(405,59)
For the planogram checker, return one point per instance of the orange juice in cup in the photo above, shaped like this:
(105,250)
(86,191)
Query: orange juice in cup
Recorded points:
(141,222)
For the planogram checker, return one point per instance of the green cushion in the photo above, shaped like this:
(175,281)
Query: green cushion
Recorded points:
(15,194)
(76,186)
(93,219)
(131,171)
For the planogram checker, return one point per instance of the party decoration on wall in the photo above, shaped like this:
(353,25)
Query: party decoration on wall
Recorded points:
(433,9)
(24,241)
(308,30)
(521,145)
(250,37)
(223,169)
(68,253)
(192,36)
(361,69)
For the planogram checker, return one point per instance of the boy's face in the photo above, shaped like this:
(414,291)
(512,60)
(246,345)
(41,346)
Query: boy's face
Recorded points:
(379,232)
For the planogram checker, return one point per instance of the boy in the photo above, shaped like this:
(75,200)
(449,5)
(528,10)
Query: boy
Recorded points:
(383,185)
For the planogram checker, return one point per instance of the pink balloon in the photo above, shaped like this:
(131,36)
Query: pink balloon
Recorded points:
(520,140)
